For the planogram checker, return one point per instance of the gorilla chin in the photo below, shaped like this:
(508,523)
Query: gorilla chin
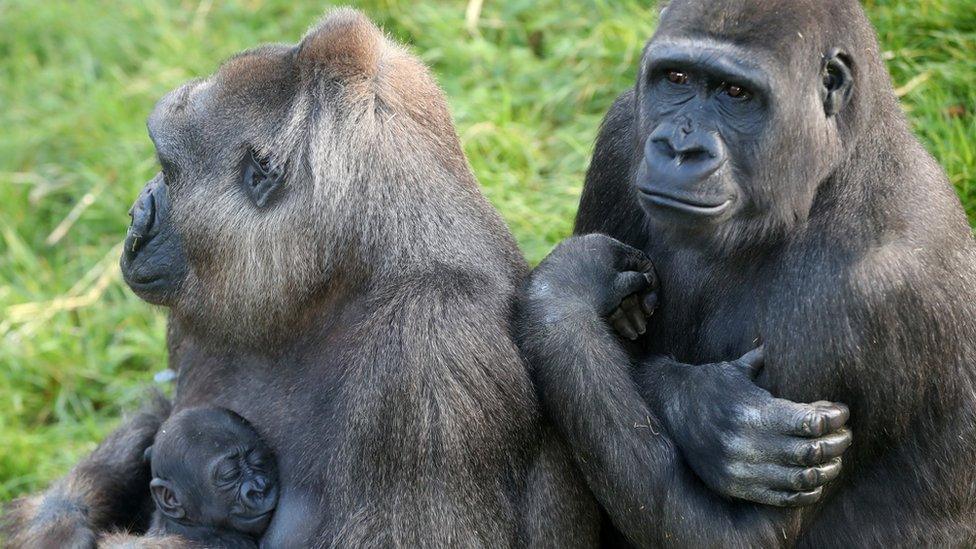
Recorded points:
(153,262)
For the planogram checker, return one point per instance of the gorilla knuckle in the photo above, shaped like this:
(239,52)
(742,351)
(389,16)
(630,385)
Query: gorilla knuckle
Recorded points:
(811,422)
(811,453)
(806,479)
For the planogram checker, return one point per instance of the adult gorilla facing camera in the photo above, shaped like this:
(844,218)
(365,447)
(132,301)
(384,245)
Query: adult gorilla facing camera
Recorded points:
(335,278)
(762,169)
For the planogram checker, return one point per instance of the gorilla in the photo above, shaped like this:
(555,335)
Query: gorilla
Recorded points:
(759,193)
(335,277)
(213,480)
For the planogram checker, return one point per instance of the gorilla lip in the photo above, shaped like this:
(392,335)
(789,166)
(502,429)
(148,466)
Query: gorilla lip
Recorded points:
(685,205)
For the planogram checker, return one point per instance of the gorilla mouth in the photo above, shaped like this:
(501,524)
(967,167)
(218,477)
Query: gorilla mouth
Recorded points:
(687,205)
(145,282)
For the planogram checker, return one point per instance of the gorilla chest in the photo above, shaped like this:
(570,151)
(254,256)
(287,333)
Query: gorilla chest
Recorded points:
(703,319)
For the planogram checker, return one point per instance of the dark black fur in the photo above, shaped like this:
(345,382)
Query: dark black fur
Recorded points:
(845,253)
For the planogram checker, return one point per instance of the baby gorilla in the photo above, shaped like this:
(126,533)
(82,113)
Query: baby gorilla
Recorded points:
(214,480)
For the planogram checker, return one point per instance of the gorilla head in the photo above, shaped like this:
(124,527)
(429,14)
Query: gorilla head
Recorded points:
(211,469)
(744,109)
(279,173)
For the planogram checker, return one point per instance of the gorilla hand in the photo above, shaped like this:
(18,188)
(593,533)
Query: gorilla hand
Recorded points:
(602,276)
(742,442)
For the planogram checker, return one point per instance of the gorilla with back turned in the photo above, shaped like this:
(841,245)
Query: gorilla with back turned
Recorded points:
(762,189)
(335,277)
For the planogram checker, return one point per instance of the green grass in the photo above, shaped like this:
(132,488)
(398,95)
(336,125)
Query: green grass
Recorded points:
(528,88)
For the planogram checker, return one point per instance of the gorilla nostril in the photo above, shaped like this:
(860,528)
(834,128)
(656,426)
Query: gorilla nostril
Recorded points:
(695,154)
(664,147)
(143,215)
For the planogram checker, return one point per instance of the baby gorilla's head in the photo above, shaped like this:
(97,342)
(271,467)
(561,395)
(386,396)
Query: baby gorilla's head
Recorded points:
(211,469)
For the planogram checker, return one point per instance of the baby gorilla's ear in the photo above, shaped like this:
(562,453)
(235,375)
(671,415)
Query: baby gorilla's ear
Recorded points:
(166,498)
(147,455)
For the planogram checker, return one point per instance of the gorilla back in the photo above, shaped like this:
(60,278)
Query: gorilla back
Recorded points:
(763,164)
(336,278)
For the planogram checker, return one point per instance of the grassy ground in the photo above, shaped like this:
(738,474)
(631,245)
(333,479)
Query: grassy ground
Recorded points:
(528,85)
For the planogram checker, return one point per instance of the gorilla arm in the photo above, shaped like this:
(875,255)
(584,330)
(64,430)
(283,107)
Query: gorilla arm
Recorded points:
(629,451)
(900,331)
(106,491)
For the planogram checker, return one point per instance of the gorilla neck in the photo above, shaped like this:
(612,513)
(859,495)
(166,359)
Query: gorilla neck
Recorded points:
(312,319)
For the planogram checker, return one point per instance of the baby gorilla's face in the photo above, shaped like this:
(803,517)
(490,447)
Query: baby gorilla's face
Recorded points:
(243,488)
(211,469)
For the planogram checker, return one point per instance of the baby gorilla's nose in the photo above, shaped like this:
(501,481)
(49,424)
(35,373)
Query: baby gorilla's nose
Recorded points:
(254,489)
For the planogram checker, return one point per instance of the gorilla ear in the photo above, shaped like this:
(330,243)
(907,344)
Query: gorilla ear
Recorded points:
(167,501)
(837,82)
(147,455)
(262,176)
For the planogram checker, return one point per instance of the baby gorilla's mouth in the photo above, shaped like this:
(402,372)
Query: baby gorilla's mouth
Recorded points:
(252,524)
(253,519)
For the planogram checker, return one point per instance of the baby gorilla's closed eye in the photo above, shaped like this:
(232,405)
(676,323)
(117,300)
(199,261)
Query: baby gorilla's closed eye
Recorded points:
(214,480)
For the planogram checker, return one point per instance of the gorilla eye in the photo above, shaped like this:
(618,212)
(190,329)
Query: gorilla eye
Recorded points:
(736,92)
(677,77)
(227,475)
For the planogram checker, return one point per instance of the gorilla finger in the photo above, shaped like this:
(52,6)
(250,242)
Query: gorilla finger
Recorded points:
(628,283)
(752,362)
(822,450)
(628,258)
(804,420)
(837,416)
(649,302)
(799,479)
(634,312)
(784,499)
(622,325)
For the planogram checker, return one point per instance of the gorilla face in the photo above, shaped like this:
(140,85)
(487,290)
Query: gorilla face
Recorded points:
(153,259)
(224,230)
(210,468)
(261,179)
(697,101)
(718,127)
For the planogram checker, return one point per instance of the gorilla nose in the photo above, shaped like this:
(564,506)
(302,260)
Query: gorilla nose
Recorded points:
(683,154)
(254,489)
(145,217)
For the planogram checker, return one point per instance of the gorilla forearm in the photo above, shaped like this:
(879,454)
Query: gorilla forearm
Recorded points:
(105,491)
(632,466)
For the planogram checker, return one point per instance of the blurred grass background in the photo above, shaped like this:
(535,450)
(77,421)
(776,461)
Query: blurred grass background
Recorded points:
(528,81)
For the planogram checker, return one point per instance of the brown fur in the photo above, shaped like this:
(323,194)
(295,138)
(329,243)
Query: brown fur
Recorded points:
(129,541)
(361,322)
